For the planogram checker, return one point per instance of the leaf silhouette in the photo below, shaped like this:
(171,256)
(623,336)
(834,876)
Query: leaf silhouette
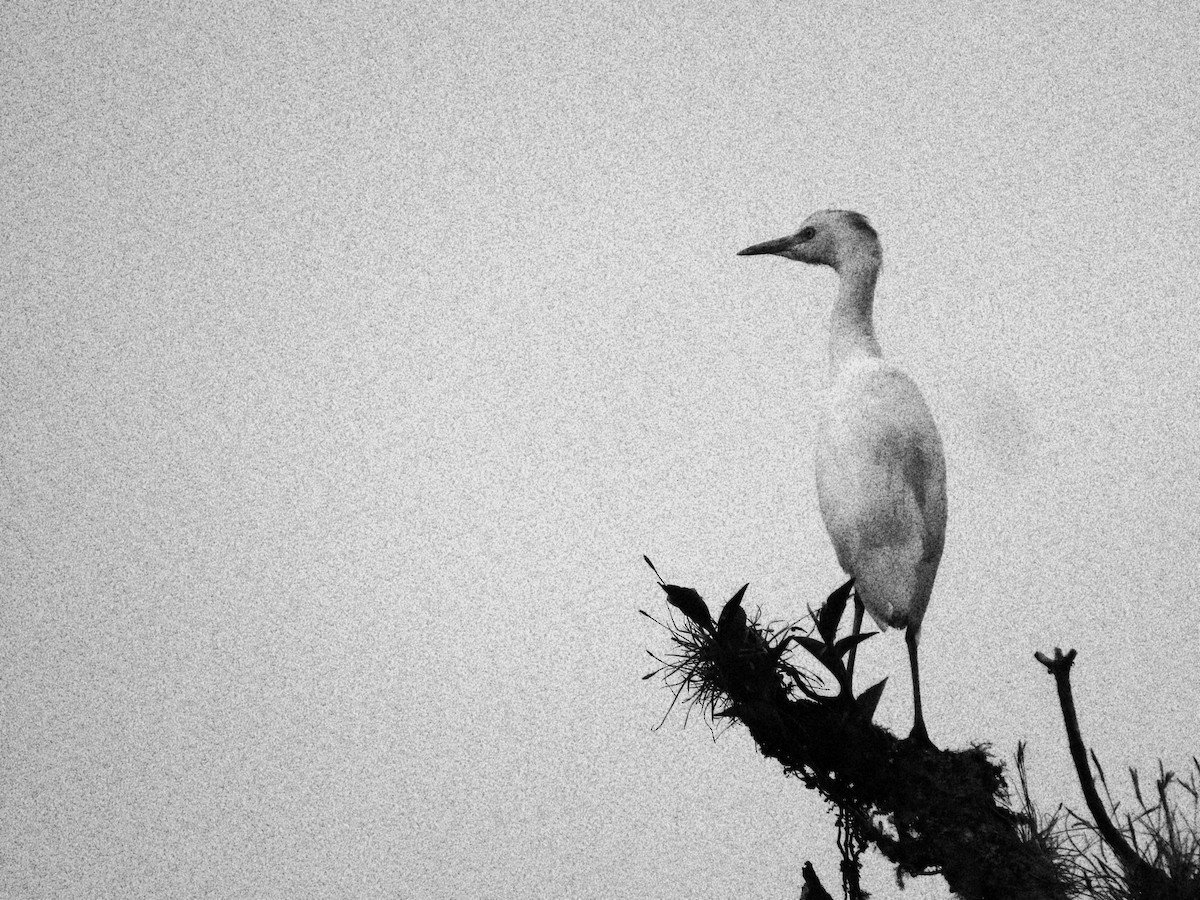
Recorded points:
(829,615)
(732,624)
(733,612)
(869,699)
(846,644)
(689,602)
(819,649)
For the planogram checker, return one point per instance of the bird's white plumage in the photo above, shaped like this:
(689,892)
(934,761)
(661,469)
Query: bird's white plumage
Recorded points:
(881,484)
(881,474)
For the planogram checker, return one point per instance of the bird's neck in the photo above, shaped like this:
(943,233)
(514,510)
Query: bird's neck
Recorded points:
(851,332)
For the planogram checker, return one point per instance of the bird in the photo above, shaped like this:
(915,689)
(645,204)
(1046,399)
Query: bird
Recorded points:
(880,464)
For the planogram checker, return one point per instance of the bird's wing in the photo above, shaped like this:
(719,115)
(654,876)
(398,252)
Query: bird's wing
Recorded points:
(881,482)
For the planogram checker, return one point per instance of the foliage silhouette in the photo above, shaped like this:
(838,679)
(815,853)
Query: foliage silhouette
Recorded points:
(926,810)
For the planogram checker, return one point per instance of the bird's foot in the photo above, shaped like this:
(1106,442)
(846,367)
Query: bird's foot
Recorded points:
(919,737)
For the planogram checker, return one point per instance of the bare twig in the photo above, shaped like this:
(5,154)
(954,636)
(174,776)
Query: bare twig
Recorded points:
(925,810)
(1060,667)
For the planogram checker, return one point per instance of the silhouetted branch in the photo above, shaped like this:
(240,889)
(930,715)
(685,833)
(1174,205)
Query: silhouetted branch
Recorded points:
(926,810)
(1142,879)
(1060,668)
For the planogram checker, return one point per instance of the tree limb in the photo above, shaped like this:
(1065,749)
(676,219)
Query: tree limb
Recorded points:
(1139,870)
(926,810)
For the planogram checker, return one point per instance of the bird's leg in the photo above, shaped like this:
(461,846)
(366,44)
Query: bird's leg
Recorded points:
(858,617)
(918,734)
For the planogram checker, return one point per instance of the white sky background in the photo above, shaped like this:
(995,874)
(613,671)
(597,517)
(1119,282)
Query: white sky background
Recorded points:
(353,357)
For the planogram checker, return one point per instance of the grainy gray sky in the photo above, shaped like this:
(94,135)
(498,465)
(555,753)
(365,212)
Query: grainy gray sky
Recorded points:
(354,354)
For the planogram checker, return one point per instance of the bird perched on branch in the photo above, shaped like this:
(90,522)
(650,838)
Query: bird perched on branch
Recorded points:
(881,474)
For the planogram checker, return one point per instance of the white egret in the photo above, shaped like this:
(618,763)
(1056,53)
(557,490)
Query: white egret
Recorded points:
(881,474)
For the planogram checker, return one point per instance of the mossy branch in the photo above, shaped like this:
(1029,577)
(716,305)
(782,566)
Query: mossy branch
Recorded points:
(926,810)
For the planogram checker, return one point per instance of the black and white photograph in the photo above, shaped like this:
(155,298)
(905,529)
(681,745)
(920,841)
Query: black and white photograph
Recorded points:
(514,450)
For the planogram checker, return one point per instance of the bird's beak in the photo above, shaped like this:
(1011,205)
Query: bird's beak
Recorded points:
(779,245)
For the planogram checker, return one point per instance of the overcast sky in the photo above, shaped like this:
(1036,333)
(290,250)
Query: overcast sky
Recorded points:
(354,355)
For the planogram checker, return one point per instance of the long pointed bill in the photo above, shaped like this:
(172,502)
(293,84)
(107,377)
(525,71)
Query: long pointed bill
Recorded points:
(779,245)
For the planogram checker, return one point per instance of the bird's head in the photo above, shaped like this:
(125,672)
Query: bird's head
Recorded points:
(831,237)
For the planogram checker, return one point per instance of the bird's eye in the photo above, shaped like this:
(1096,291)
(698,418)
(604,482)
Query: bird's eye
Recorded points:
(806,234)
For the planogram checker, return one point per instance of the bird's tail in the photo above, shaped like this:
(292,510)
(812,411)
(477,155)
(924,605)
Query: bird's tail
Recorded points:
(888,584)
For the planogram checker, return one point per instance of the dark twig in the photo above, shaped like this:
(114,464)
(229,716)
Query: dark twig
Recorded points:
(1139,870)
(923,809)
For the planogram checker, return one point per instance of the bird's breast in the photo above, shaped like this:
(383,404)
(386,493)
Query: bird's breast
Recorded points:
(873,407)
(880,468)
